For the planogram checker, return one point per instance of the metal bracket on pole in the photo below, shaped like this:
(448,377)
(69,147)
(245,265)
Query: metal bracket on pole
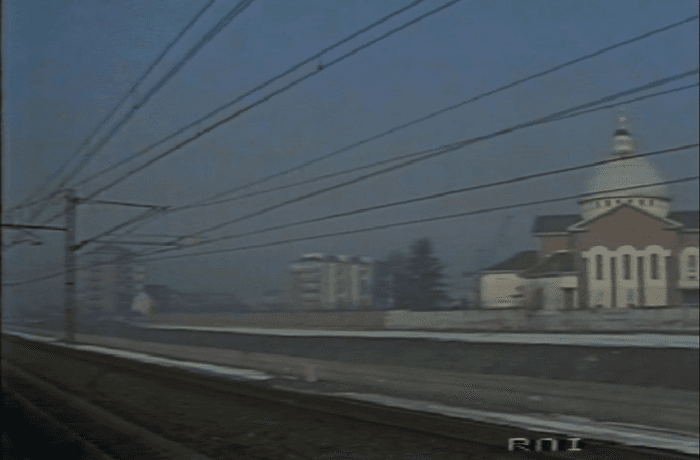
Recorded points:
(146,214)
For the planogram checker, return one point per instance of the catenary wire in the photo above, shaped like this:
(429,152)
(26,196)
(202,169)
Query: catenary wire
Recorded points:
(87,140)
(553,69)
(170,211)
(397,158)
(243,96)
(449,148)
(405,125)
(419,221)
(266,98)
(269,96)
(242,5)
(370,229)
(554,117)
(443,194)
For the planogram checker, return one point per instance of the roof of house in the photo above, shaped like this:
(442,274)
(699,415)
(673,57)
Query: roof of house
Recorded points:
(518,262)
(552,224)
(689,219)
(584,224)
(561,262)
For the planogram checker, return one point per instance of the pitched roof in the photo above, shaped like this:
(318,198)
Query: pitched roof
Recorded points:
(551,224)
(518,262)
(583,225)
(689,219)
(561,262)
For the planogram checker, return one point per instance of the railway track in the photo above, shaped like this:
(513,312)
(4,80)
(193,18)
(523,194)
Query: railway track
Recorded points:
(73,428)
(31,433)
(222,418)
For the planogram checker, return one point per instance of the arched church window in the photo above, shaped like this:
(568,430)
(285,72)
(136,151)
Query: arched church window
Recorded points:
(599,267)
(641,202)
(627,266)
(655,266)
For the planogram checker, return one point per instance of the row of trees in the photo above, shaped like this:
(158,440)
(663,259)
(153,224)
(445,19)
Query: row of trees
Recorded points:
(411,282)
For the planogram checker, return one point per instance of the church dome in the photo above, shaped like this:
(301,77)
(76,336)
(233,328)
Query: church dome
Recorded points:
(628,170)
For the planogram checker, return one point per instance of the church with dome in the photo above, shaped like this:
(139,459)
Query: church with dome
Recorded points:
(626,249)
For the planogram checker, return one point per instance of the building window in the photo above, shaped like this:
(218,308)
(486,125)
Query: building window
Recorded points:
(651,202)
(627,266)
(617,201)
(607,203)
(599,267)
(597,204)
(692,261)
(641,202)
(629,201)
(655,266)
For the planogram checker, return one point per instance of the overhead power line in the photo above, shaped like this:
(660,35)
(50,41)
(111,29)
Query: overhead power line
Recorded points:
(454,146)
(87,140)
(416,221)
(397,158)
(144,215)
(260,101)
(370,229)
(268,97)
(252,91)
(443,194)
(59,273)
(394,129)
(242,5)
(33,227)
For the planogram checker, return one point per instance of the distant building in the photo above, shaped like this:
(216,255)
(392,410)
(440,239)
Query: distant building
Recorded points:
(500,285)
(111,281)
(627,248)
(320,282)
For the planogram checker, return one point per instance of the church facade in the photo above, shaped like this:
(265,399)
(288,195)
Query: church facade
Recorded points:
(626,249)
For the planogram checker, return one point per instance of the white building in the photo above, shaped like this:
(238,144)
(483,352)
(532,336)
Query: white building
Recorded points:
(627,248)
(320,282)
(501,286)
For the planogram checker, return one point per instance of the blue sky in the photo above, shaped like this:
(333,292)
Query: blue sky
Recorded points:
(65,66)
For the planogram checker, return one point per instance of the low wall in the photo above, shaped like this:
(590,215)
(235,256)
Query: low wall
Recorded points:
(681,319)
(667,319)
(331,320)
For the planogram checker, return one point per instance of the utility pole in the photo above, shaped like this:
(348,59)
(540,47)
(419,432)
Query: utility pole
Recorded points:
(70,266)
(71,247)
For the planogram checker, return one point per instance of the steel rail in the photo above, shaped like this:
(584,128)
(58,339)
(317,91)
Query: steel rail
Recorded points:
(489,435)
